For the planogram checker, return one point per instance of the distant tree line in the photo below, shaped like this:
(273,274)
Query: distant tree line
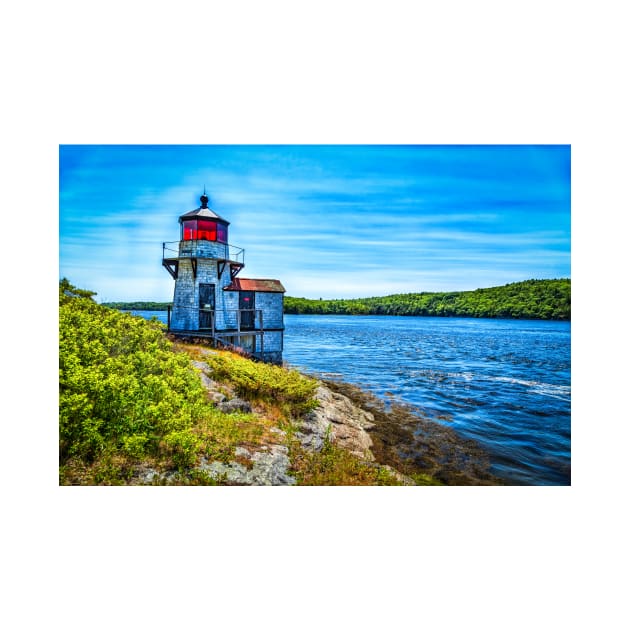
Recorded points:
(138,306)
(531,299)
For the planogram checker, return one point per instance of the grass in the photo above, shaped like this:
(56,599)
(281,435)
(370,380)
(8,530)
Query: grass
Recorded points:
(334,466)
(264,383)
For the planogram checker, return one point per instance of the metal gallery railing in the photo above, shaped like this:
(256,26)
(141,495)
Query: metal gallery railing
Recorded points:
(192,249)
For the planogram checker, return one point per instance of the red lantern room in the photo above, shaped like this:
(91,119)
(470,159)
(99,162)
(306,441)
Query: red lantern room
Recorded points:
(203,224)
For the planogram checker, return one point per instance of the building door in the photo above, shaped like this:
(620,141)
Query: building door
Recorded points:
(247,305)
(206,306)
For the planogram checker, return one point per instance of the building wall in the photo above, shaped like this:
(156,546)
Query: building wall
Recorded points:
(270,304)
(272,308)
(185,299)
(230,306)
(272,342)
(208,249)
(185,314)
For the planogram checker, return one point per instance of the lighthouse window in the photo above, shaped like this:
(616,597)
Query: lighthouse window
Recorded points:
(221,233)
(207,230)
(189,230)
(200,229)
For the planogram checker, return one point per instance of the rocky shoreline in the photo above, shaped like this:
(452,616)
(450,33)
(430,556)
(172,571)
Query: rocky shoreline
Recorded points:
(397,438)
(405,438)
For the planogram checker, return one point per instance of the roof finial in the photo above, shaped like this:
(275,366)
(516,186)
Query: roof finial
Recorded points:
(204,198)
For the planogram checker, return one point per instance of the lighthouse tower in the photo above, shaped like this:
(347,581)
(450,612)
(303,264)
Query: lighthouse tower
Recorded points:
(209,300)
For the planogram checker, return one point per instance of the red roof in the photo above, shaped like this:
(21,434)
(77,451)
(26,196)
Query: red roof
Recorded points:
(255,284)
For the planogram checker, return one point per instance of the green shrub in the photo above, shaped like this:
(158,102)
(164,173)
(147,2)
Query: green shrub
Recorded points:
(134,445)
(262,381)
(121,387)
(184,446)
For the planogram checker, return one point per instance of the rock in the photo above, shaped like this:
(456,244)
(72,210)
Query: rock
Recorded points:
(312,440)
(337,419)
(215,393)
(269,468)
(147,475)
(210,385)
(235,405)
(233,472)
(343,422)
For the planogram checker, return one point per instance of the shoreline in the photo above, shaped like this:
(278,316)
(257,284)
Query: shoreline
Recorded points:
(395,437)
(449,316)
(406,439)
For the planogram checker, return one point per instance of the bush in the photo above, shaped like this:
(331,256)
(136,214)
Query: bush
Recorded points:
(121,387)
(262,381)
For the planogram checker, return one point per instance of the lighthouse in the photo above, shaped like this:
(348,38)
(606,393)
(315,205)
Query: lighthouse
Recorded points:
(209,300)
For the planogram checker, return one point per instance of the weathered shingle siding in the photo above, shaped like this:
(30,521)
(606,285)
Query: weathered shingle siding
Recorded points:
(272,346)
(271,306)
(229,308)
(185,315)
(186,298)
(211,249)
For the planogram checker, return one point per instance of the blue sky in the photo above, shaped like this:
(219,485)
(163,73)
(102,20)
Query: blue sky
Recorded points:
(328,221)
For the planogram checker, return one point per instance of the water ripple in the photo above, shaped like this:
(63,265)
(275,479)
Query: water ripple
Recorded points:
(504,383)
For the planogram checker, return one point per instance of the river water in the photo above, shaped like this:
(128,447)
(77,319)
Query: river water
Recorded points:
(504,383)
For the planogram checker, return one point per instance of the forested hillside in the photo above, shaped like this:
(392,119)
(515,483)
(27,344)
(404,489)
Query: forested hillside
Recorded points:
(531,299)
(138,306)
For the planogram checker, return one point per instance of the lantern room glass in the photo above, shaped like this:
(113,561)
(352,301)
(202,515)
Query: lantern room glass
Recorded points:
(222,233)
(204,230)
